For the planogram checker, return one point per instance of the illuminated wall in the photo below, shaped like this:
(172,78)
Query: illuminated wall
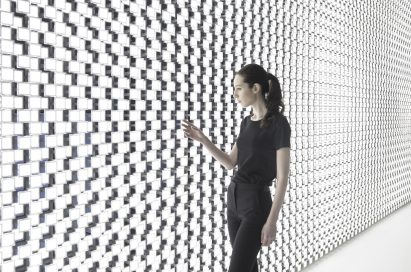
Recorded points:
(96,171)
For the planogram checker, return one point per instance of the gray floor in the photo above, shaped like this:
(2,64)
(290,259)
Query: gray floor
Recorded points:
(384,247)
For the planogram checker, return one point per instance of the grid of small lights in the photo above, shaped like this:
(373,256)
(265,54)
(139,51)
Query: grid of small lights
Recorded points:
(95,174)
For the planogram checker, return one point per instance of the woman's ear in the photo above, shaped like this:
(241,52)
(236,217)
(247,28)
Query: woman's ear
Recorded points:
(256,87)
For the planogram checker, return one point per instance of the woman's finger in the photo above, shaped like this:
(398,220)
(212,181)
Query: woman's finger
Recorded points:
(187,126)
(187,122)
(191,125)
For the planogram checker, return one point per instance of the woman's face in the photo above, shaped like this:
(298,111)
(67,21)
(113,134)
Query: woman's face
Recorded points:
(242,93)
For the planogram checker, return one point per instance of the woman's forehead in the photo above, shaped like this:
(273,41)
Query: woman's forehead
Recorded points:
(238,80)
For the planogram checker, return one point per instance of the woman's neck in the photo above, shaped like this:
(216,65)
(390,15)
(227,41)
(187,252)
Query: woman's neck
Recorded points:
(258,117)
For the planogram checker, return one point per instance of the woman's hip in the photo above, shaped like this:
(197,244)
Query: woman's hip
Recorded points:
(249,200)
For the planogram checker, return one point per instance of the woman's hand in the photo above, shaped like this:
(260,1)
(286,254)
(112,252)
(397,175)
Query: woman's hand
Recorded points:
(193,132)
(268,233)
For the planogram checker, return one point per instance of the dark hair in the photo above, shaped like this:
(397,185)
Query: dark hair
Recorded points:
(270,86)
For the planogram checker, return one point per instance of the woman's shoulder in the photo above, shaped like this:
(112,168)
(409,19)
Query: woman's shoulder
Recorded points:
(280,119)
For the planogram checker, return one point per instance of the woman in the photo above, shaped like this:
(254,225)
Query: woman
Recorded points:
(262,152)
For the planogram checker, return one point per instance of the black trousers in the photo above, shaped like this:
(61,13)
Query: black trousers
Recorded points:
(248,207)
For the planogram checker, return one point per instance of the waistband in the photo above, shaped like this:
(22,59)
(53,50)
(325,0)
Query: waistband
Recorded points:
(251,185)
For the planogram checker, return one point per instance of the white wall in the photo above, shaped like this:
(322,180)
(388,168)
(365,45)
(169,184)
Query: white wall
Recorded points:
(383,247)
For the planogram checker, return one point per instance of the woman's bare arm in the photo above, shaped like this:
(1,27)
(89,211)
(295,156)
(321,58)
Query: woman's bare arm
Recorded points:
(193,132)
(218,154)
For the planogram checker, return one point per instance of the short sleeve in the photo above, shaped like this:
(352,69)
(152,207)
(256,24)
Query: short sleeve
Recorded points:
(282,133)
(241,129)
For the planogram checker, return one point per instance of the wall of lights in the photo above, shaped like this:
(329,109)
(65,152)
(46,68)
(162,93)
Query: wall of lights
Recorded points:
(96,173)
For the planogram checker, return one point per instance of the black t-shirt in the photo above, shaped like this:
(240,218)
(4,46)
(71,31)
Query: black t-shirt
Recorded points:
(257,149)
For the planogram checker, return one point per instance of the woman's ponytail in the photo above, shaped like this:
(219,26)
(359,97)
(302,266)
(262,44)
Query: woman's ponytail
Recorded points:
(273,99)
